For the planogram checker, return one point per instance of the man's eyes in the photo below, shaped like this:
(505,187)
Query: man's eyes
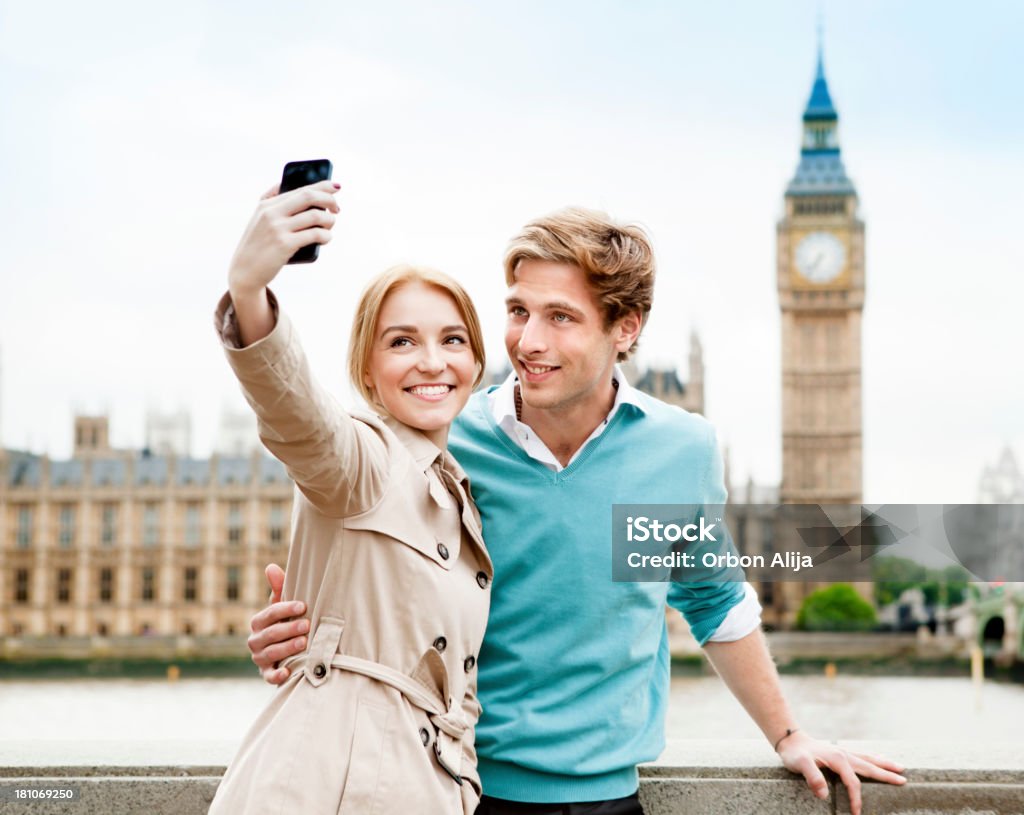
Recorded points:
(557,316)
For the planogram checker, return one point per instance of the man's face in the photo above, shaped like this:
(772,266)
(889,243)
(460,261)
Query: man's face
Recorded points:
(556,338)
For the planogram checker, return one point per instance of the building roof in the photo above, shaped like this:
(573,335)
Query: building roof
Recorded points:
(233,470)
(66,473)
(108,472)
(820,173)
(192,471)
(150,470)
(23,469)
(659,382)
(272,471)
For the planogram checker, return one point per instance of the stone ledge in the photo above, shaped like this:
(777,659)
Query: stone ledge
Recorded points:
(925,798)
(742,777)
(113,795)
(694,777)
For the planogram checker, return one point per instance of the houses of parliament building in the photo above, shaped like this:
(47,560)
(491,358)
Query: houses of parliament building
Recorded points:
(128,544)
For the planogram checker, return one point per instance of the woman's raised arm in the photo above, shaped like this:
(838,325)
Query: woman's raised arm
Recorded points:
(340,464)
(280,226)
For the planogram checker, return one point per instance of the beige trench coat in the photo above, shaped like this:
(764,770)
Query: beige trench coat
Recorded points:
(378,714)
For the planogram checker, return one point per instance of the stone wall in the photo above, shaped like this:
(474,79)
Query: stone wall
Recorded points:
(691,778)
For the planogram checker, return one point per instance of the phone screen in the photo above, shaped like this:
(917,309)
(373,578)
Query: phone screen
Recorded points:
(301,174)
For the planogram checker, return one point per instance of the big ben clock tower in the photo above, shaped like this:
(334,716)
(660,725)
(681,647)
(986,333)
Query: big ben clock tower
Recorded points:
(821,293)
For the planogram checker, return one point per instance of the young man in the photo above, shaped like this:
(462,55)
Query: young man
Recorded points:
(574,670)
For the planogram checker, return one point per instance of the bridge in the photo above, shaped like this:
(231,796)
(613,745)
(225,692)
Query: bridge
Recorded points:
(998,614)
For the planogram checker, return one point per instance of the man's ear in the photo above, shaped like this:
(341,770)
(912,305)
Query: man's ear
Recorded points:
(626,330)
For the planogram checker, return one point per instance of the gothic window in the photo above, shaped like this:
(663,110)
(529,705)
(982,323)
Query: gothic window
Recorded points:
(148,591)
(108,524)
(235,522)
(233,582)
(276,522)
(807,355)
(191,578)
(106,585)
(25,524)
(833,345)
(21,584)
(151,524)
(66,537)
(64,586)
(192,524)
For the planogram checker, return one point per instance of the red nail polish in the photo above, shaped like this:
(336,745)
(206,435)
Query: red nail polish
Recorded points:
(337,186)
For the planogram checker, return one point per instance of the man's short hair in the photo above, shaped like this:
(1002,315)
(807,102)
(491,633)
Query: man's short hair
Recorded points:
(617,259)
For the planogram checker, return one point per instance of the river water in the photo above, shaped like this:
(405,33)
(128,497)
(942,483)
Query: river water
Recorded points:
(203,719)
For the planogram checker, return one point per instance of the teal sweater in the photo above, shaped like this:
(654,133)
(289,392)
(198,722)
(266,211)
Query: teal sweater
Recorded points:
(574,668)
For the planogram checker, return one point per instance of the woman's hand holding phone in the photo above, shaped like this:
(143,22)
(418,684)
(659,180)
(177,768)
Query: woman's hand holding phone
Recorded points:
(281,225)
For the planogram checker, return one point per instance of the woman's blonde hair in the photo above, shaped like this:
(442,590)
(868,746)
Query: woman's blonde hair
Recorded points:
(364,325)
(617,259)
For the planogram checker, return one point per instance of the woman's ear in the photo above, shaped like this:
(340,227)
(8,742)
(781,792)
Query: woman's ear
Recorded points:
(368,381)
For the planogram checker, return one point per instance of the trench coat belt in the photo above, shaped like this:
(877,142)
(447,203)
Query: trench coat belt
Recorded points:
(450,724)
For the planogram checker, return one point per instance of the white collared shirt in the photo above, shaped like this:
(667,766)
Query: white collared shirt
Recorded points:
(503,408)
(744,617)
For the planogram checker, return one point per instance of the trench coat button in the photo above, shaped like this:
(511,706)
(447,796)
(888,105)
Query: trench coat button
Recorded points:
(469,663)
(424,736)
(481,579)
(442,550)
(440,644)
(320,671)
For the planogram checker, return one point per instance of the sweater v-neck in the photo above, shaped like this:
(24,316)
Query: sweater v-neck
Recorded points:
(553,476)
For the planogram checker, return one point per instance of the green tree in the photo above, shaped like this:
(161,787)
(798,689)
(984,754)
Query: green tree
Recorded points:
(893,575)
(836,608)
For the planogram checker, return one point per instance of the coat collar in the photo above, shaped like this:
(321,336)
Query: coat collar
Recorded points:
(423,450)
(426,454)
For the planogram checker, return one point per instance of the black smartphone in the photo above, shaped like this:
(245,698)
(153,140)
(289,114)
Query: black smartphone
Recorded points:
(301,174)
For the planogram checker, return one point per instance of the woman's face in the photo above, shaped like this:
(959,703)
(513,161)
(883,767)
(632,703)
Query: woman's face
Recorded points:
(421,365)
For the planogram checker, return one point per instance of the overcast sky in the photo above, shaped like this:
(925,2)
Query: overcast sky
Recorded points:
(135,144)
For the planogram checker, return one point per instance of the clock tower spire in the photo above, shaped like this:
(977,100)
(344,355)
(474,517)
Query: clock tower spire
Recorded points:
(821,168)
(820,275)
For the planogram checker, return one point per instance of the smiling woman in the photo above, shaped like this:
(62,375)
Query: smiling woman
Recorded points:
(377,710)
(416,349)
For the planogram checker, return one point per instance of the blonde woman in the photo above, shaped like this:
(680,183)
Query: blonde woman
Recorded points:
(378,711)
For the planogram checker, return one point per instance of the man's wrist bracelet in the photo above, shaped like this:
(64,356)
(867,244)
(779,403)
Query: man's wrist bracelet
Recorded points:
(789,732)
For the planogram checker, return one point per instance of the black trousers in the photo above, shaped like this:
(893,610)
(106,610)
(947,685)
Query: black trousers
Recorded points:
(620,806)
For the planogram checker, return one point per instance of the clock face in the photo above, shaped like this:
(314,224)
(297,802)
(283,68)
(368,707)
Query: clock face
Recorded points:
(820,257)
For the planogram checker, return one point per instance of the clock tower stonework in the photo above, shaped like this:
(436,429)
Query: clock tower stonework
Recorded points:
(820,273)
